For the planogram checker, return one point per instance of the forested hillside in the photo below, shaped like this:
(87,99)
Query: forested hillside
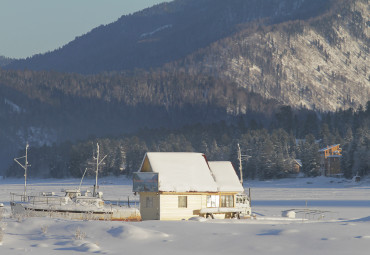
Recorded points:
(319,63)
(271,150)
(50,107)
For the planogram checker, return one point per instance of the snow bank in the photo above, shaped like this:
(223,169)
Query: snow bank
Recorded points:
(135,233)
(289,214)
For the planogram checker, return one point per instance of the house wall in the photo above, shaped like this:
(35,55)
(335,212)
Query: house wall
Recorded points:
(146,167)
(169,209)
(335,150)
(332,166)
(296,168)
(169,205)
(149,213)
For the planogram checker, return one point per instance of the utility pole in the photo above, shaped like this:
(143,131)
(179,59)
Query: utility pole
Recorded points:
(241,158)
(240,165)
(25,166)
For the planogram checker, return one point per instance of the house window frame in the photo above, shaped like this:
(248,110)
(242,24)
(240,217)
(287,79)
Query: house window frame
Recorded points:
(213,201)
(227,201)
(182,201)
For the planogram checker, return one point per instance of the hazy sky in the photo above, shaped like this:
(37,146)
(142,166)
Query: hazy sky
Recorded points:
(28,27)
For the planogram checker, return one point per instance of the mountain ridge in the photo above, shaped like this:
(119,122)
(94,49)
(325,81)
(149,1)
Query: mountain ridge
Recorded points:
(191,25)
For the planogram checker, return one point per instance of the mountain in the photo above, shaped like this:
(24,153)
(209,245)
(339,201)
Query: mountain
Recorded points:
(165,33)
(321,63)
(311,54)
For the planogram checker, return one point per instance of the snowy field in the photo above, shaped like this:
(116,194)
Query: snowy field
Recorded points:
(332,217)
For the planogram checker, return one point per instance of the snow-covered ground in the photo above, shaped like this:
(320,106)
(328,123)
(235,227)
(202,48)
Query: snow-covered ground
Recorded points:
(333,217)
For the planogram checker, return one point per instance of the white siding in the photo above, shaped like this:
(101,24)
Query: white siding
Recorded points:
(169,207)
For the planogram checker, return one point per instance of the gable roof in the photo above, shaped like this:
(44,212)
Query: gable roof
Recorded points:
(191,172)
(180,171)
(225,176)
(299,162)
(328,147)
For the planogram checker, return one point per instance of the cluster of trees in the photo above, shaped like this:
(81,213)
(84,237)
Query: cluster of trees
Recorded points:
(271,150)
(5,61)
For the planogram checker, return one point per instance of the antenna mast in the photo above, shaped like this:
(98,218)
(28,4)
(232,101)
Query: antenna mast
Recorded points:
(25,166)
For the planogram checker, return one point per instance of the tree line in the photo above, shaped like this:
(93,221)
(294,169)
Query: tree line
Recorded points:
(271,149)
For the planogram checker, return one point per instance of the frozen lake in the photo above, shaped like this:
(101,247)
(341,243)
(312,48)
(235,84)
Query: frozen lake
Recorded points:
(333,217)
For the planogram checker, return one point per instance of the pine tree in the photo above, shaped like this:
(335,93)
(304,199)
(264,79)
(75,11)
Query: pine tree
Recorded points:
(310,157)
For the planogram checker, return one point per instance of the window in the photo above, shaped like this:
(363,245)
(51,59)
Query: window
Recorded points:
(227,201)
(213,201)
(149,202)
(183,201)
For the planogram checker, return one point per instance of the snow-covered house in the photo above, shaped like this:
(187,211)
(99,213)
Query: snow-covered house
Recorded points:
(177,185)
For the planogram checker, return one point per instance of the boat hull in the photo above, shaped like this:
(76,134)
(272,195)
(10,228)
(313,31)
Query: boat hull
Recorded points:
(107,213)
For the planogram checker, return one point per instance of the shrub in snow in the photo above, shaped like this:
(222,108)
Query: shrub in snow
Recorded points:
(88,247)
(44,229)
(79,234)
(2,228)
(19,218)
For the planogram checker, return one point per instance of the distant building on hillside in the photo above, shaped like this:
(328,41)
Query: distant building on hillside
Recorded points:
(297,166)
(330,158)
(296,169)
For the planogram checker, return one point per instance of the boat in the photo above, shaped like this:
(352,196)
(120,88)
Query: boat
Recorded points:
(75,204)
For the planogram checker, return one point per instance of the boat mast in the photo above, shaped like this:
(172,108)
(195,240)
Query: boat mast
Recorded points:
(97,168)
(25,166)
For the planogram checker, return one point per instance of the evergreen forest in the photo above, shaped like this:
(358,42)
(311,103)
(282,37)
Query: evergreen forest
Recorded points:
(271,149)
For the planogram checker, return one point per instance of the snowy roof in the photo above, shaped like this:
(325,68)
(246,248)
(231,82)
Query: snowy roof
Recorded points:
(191,172)
(299,162)
(328,147)
(225,176)
(180,171)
